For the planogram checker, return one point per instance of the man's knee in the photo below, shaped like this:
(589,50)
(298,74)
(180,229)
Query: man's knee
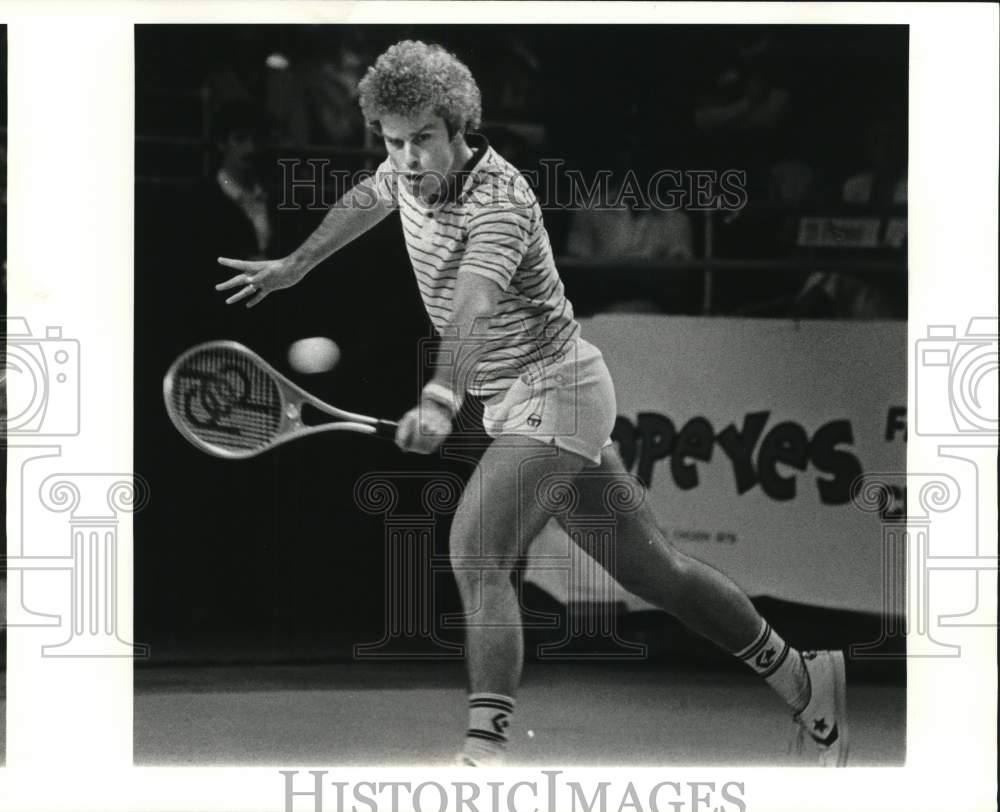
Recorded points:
(478,582)
(468,580)
(465,538)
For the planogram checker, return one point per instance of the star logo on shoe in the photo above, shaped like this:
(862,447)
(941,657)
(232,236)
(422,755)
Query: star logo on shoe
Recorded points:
(500,722)
(820,725)
(827,740)
(765,658)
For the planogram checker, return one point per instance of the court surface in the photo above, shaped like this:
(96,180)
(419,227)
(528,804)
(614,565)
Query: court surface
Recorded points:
(415,713)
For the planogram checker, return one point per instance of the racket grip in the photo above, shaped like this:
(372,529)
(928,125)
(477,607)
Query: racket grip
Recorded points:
(386,430)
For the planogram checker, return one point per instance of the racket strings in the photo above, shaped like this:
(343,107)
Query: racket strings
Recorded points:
(225,398)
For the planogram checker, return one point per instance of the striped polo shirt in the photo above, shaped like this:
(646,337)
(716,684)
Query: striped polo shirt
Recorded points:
(490,226)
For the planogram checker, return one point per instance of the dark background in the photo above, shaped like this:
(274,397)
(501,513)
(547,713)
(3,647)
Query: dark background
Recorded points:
(271,558)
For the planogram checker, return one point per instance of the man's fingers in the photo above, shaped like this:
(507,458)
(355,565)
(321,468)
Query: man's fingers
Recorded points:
(249,290)
(401,433)
(250,269)
(239,264)
(404,434)
(256,300)
(235,282)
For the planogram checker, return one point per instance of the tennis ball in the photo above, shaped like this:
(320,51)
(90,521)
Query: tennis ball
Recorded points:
(312,355)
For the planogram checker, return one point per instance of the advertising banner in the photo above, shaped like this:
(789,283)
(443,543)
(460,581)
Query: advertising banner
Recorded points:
(750,435)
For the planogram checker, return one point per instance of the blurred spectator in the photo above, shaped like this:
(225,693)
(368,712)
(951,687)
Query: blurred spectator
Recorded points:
(332,90)
(880,181)
(752,118)
(740,114)
(841,296)
(328,68)
(254,71)
(520,69)
(231,213)
(615,230)
(622,234)
(793,181)
(307,84)
(741,102)
(882,178)
(233,209)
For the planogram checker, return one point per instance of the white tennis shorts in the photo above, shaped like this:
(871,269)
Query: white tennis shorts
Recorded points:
(569,403)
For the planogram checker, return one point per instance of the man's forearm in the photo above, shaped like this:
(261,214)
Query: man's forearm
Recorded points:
(461,346)
(465,340)
(354,214)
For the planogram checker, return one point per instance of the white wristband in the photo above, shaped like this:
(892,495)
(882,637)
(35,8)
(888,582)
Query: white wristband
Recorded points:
(443,396)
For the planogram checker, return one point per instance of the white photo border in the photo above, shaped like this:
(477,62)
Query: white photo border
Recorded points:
(70,131)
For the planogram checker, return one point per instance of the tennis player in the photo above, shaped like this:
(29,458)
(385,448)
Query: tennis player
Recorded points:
(484,267)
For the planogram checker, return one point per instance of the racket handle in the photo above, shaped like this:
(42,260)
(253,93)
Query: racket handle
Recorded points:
(386,429)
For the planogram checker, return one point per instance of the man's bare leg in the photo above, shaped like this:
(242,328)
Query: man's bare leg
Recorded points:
(704,599)
(813,684)
(498,517)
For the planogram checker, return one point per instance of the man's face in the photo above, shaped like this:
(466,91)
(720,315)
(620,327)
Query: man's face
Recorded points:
(240,149)
(421,152)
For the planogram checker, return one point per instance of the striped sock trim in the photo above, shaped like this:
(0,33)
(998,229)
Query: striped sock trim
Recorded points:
(498,701)
(759,642)
(490,703)
(485,735)
(489,717)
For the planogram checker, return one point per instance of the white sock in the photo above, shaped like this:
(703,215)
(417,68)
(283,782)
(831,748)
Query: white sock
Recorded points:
(780,665)
(489,718)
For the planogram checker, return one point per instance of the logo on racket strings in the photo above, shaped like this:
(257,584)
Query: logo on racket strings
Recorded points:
(211,397)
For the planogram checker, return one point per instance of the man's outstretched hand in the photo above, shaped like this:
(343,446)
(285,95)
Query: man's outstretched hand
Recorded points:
(259,278)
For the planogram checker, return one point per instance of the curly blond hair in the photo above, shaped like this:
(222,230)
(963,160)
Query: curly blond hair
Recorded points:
(412,77)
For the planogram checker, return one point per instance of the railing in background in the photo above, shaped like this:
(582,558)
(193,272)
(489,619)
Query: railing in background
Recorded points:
(831,237)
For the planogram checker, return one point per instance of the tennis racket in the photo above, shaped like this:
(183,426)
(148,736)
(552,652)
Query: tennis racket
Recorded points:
(229,402)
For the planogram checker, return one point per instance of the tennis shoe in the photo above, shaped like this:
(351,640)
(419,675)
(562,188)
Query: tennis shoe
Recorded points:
(464,759)
(824,718)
